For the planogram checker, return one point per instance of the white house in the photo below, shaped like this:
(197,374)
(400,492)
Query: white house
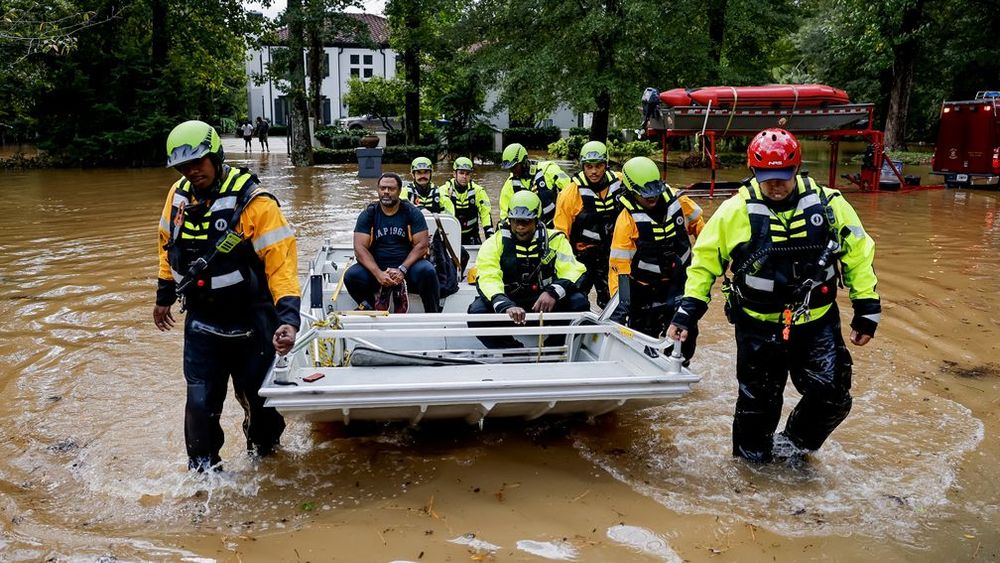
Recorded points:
(342,60)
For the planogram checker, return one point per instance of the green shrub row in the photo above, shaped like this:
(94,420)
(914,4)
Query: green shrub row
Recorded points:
(531,137)
(393,154)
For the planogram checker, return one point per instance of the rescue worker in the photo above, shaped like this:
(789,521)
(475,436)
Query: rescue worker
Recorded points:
(527,175)
(787,243)
(526,266)
(650,249)
(390,244)
(226,250)
(586,212)
(422,192)
(471,202)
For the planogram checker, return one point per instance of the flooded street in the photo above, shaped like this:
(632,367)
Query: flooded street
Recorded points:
(92,460)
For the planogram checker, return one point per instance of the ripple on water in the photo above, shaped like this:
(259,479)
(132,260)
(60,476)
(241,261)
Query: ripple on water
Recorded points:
(886,472)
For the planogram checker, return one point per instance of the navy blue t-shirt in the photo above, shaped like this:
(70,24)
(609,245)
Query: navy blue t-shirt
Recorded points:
(390,234)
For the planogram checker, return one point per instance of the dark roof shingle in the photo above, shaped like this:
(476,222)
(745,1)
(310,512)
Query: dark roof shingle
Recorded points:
(378,28)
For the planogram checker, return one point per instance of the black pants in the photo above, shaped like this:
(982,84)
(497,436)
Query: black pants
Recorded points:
(820,366)
(572,302)
(596,261)
(214,351)
(421,277)
(651,311)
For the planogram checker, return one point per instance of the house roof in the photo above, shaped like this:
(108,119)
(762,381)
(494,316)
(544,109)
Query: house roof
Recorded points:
(378,28)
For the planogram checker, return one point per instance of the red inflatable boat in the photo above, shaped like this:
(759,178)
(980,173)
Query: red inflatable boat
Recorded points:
(771,96)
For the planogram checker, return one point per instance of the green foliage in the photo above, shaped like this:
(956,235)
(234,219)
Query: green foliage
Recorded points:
(398,154)
(376,96)
(340,138)
(531,137)
(621,151)
(568,148)
(579,131)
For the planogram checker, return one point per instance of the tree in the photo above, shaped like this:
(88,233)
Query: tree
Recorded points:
(301,141)
(377,96)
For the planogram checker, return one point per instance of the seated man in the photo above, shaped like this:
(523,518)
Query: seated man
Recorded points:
(526,266)
(390,242)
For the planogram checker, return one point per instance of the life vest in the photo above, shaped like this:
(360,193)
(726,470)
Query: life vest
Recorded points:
(770,268)
(527,268)
(547,194)
(430,202)
(663,248)
(594,224)
(234,277)
(466,206)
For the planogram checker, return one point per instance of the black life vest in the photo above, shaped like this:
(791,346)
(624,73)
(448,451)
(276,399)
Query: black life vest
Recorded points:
(431,202)
(770,268)
(466,206)
(594,224)
(547,194)
(527,267)
(232,279)
(663,248)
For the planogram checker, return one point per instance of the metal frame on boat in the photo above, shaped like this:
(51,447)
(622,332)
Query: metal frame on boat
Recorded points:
(372,365)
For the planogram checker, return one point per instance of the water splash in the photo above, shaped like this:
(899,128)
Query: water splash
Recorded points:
(644,541)
(558,550)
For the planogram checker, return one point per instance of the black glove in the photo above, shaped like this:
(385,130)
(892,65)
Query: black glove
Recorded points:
(166,292)
(620,313)
(866,315)
(488,231)
(689,312)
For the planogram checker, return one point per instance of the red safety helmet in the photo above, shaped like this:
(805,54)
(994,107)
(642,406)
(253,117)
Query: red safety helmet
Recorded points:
(773,150)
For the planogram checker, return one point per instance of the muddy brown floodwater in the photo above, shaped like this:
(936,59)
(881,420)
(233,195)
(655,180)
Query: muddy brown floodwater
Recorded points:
(92,459)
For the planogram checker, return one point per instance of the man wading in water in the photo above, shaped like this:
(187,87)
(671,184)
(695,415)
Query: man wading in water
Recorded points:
(229,253)
(787,243)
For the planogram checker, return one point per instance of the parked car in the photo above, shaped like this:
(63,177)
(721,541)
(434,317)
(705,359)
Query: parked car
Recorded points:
(968,144)
(369,122)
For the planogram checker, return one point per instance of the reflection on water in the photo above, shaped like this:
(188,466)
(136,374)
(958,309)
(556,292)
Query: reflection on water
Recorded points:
(92,460)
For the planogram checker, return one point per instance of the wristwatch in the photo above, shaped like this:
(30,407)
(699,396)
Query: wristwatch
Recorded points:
(402,268)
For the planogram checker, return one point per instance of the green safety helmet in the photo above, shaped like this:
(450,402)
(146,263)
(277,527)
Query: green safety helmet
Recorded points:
(421,163)
(513,154)
(642,176)
(525,205)
(593,152)
(192,140)
(462,163)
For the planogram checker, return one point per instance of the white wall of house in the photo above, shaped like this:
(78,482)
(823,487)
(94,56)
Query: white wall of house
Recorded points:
(267,99)
(563,117)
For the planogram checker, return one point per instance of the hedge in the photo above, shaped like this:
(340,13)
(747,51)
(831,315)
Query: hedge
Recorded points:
(531,137)
(393,154)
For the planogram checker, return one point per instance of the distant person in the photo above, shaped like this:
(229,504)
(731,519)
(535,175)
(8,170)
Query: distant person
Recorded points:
(526,267)
(472,203)
(526,174)
(390,243)
(229,254)
(650,250)
(586,211)
(247,131)
(422,192)
(788,243)
(261,130)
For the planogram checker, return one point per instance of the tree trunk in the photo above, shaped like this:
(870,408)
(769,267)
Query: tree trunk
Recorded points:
(605,67)
(411,70)
(716,36)
(301,141)
(904,59)
(315,73)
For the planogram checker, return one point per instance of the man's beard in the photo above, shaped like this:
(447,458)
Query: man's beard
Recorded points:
(388,201)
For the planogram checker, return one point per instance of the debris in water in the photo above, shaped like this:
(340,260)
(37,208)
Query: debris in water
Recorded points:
(643,541)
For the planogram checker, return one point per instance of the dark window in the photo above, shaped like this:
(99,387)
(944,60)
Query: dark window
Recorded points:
(326,111)
(281,111)
(355,72)
(368,59)
(355,59)
(368,73)
(326,65)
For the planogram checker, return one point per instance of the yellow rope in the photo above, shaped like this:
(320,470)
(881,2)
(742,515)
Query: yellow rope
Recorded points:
(541,337)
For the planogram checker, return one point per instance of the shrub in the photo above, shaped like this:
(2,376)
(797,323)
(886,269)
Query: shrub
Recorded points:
(531,137)
(579,131)
(340,138)
(277,131)
(398,154)
(568,148)
(621,152)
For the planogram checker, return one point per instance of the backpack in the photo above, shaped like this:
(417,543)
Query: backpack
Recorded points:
(444,265)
